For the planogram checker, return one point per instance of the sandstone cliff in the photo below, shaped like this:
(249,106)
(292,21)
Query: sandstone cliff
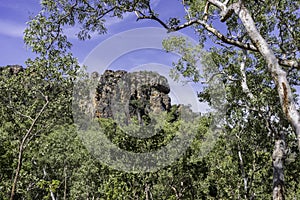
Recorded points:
(129,95)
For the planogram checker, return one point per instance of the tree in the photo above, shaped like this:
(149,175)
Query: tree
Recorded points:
(32,101)
(277,47)
(36,99)
(281,52)
(266,53)
(255,113)
(267,31)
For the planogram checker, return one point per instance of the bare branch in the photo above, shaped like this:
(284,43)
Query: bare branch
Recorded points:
(289,63)
(22,147)
(226,14)
(152,17)
(186,10)
(218,4)
(215,32)
(206,11)
(241,162)
(19,113)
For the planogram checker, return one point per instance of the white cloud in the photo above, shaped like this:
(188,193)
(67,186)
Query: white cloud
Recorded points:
(18,5)
(12,29)
(154,3)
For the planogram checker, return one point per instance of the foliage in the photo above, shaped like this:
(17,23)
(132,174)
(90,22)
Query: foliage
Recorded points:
(35,106)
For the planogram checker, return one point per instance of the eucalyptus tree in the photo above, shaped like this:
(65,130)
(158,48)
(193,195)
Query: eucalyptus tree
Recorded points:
(255,120)
(33,101)
(269,28)
(266,31)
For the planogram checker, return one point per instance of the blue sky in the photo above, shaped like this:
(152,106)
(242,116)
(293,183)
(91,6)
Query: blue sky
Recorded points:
(15,13)
(13,17)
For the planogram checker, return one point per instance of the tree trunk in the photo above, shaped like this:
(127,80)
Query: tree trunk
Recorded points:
(22,148)
(278,74)
(286,98)
(65,183)
(278,172)
(244,175)
(19,164)
(279,77)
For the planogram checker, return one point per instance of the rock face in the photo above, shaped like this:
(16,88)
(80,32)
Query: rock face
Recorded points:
(127,95)
(11,69)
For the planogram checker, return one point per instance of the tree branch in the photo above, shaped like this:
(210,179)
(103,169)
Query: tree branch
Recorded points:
(215,32)
(218,4)
(22,147)
(244,175)
(140,16)
(206,11)
(244,84)
(289,63)
(259,44)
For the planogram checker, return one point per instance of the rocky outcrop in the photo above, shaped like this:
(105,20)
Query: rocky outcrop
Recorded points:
(127,95)
(11,70)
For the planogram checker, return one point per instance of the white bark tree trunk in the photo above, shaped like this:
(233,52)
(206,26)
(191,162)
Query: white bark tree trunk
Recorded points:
(288,104)
(279,76)
(278,169)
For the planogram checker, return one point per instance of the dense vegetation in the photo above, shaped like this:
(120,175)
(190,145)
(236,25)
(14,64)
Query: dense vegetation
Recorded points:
(255,157)
(56,164)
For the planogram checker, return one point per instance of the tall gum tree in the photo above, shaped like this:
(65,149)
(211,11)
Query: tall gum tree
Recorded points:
(277,41)
(268,29)
(256,43)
